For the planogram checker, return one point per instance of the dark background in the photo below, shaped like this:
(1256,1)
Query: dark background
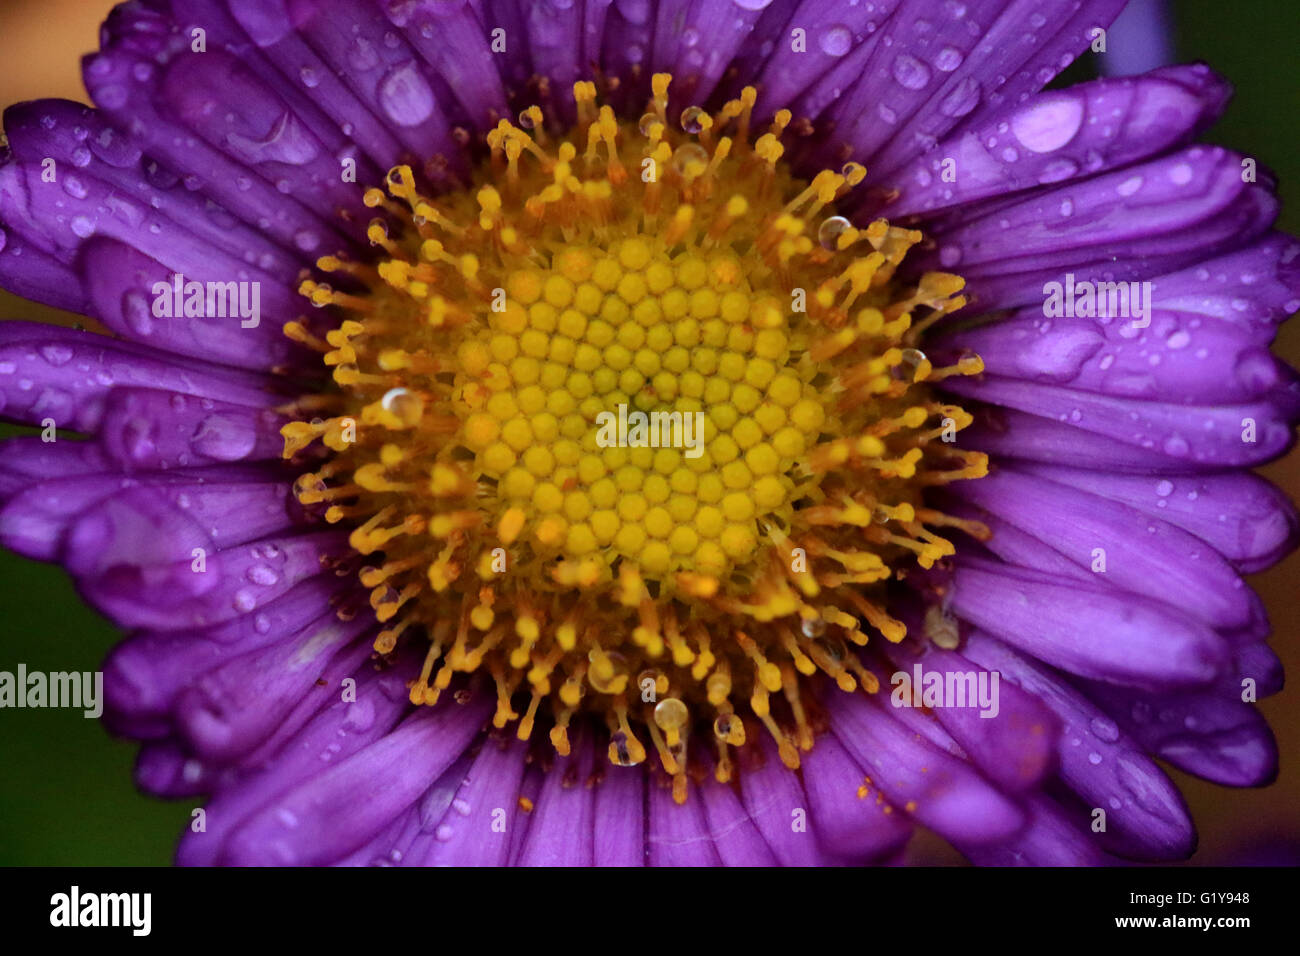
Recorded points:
(66,796)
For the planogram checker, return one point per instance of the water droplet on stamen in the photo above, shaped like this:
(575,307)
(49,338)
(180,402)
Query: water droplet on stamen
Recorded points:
(690,159)
(906,370)
(405,405)
(829,232)
(671,714)
(693,119)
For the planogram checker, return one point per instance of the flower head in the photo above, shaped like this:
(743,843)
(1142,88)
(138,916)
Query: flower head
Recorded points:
(679,432)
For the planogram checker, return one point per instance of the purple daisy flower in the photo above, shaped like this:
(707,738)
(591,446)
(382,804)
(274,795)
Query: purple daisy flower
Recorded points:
(680,432)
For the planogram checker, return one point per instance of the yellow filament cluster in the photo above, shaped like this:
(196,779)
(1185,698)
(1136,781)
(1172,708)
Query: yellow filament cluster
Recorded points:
(667,587)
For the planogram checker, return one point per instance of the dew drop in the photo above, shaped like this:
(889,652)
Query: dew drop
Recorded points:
(407,406)
(948,59)
(690,159)
(263,574)
(671,714)
(906,370)
(405,96)
(692,119)
(830,230)
(965,96)
(910,73)
(836,41)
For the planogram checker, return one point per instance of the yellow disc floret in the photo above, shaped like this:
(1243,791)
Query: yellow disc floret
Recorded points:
(637,426)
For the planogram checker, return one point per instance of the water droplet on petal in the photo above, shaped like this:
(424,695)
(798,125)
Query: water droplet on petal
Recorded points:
(910,73)
(836,40)
(948,59)
(1105,729)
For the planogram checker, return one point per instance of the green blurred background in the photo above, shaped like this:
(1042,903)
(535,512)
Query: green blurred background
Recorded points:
(66,796)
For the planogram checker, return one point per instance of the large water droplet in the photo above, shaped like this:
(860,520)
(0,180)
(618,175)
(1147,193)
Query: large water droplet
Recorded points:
(692,119)
(963,98)
(948,59)
(407,406)
(830,230)
(690,159)
(1104,729)
(910,73)
(263,574)
(812,627)
(908,368)
(405,95)
(836,40)
(1048,125)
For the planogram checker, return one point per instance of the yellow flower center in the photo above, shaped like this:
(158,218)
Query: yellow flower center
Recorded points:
(636,424)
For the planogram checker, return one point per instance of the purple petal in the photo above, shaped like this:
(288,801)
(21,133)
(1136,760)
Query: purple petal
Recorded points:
(1053,837)
(620,818)
(678,834)
(1177,358)
(1206,733)
(227,711)
(153,429)
(121,283)
(1125,225)
(777,804)
(1014,745)
(1145,814)
(936,789)
(457,47)
(145,673)
(1142,554)
(1050,138)
(332,736)
(143,576)
(929,71)
(64,374)
(477,828)
(350,802)
(561,827)
(1229,434)
(735,838)
(856,828)
(1090,631)
(1242,516)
